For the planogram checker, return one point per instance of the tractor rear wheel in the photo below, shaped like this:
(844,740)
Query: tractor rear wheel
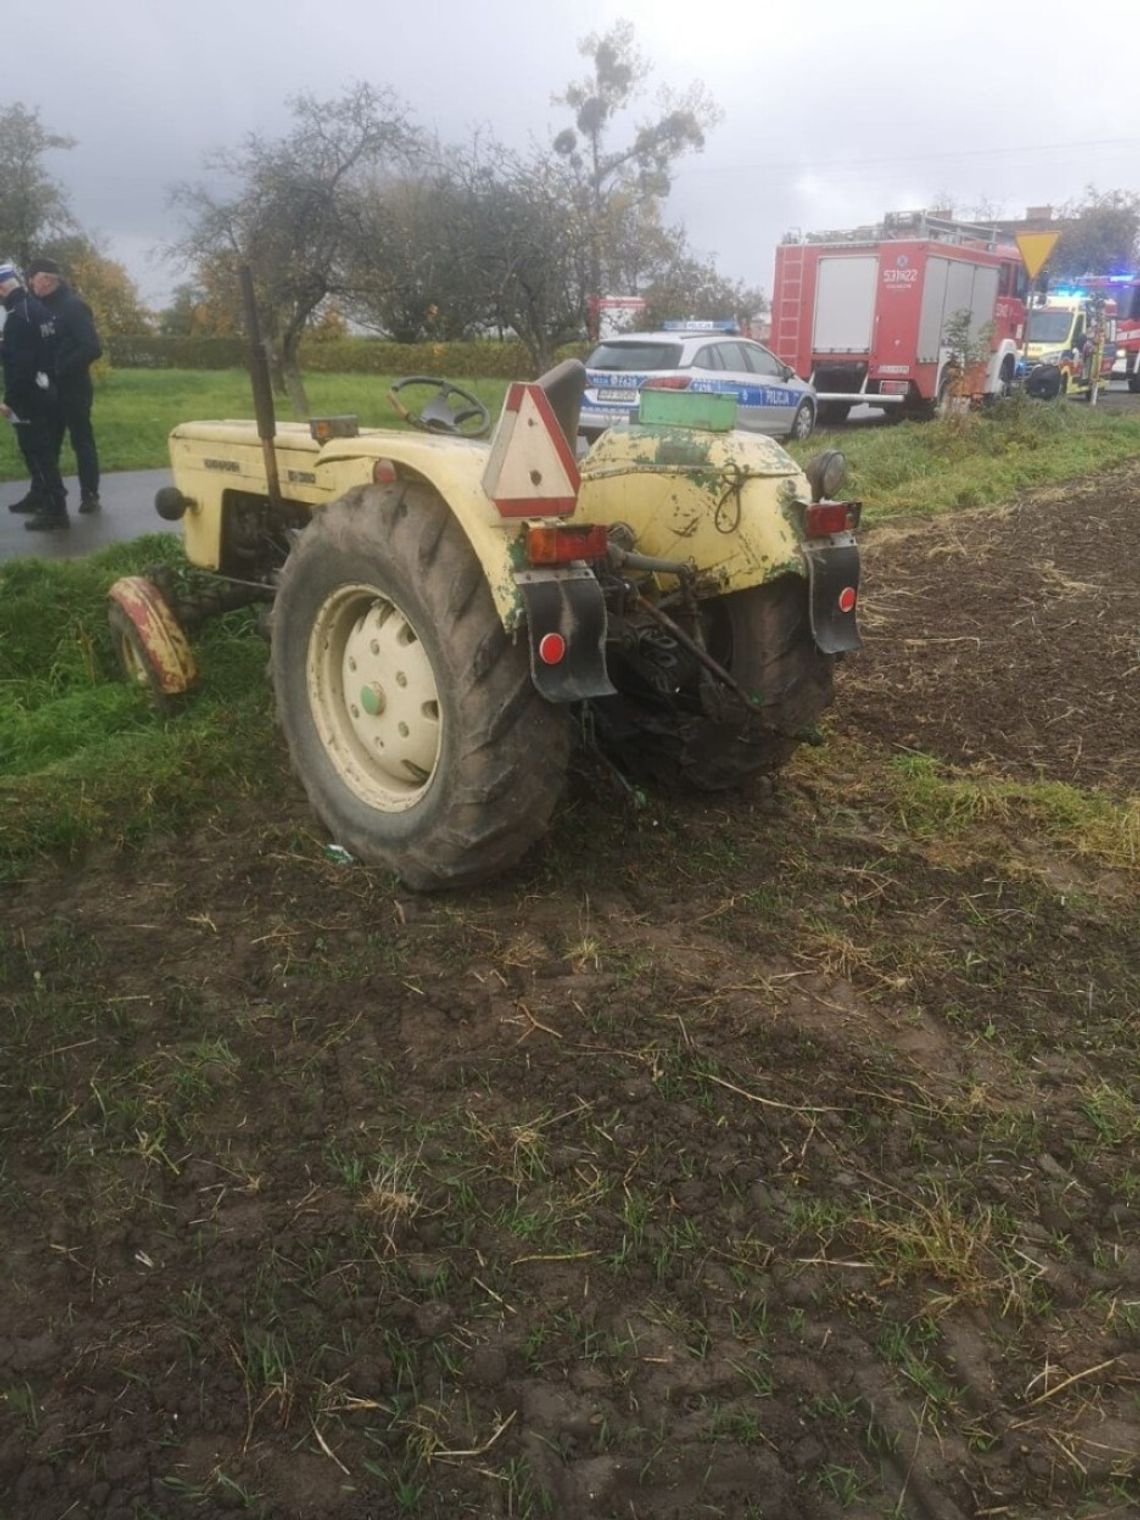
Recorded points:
(410,716)
(763,637)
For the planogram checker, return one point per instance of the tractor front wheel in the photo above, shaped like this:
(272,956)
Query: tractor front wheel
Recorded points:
(139,665)
(411,718)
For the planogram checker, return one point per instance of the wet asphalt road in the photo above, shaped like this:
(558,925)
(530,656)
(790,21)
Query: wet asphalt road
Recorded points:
(128,510)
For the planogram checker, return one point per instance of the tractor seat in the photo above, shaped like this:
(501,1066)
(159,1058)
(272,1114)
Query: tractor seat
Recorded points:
(564,386)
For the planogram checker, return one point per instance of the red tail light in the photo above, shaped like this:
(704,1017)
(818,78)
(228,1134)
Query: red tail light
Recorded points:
(552,648)
(548,545)
(669,383)
(823,518)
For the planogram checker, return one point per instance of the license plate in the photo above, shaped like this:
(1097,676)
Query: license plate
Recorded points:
(625,398)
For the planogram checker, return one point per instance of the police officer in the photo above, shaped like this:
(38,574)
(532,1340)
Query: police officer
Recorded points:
(77,347)
(28,355)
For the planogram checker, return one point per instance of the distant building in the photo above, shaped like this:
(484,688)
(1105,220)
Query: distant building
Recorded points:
(1036,219)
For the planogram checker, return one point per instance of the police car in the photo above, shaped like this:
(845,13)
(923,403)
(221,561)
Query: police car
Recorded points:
(695,356)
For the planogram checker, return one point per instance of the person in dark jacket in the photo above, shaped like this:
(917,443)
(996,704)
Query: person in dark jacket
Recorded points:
(27,352)
(77,347)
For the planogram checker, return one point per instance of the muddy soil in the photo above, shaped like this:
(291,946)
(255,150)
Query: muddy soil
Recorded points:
(1010,639)
(746,1158)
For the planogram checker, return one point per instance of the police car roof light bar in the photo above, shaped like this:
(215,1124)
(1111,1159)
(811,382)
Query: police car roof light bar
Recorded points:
(694,324)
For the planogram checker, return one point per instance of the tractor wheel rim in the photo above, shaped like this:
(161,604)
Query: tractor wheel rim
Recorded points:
(374,698)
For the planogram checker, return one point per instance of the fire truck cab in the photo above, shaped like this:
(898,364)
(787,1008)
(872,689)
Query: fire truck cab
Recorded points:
(866,313)
(1123,290)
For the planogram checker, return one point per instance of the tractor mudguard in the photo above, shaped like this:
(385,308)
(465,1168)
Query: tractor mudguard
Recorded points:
(160,634)
(566,623)
(833,578)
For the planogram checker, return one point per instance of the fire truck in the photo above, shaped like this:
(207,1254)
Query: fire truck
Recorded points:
(865,313)
(1124,291)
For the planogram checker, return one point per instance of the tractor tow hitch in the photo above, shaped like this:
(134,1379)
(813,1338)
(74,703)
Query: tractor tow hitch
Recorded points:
(699,653)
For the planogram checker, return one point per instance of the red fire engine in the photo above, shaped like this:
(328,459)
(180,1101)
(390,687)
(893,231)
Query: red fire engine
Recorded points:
(1124,291)
(865,313)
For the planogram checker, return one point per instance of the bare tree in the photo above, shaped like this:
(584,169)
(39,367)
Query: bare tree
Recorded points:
(406,275)
(638,170)
(293,212)
(33,206)
(523,247)
(1101,234)
(689,286)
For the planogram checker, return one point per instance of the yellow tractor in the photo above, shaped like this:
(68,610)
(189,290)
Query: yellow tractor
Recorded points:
(449,606)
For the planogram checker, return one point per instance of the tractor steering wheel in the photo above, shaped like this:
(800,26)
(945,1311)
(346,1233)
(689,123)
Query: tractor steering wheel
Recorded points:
(437,415)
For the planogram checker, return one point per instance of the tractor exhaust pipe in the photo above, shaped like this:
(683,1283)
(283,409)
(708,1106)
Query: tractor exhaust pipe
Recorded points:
(262,386)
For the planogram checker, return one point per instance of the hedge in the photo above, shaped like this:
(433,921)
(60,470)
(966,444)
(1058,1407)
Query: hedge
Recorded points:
(146,351)
(503,361)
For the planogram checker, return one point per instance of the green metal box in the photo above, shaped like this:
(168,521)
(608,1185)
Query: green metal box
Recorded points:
(704,410)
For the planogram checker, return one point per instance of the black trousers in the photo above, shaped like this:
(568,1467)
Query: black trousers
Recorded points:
(36,437)
(72,415)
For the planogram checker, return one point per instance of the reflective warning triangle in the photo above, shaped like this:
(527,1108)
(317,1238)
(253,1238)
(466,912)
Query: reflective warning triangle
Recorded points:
(531,471)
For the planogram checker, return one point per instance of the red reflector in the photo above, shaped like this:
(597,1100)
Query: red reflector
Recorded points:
(549,545)
(823,518)
(383,472)
(847,599)
(669,383)
(551,648)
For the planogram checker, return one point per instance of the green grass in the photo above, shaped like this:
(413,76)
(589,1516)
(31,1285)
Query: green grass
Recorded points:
(82,755)
(936,805)
(978,459)
(135,410)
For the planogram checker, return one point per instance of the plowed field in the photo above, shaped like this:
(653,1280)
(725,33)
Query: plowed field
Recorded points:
(770,1157)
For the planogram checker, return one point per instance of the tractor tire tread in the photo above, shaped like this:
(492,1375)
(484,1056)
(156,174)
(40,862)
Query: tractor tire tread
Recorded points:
(506,767)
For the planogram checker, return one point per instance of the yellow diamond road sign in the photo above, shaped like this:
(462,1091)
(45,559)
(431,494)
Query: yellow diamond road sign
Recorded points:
(1035,248)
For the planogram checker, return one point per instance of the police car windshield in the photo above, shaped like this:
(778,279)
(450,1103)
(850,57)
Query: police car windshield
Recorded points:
(631,356)
(1049,326)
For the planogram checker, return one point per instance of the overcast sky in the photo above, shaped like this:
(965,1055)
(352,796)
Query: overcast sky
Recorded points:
(835,110)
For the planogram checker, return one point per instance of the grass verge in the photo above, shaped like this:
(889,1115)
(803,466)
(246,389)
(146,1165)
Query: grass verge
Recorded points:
(980,458)
(135,410)
(82,755)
